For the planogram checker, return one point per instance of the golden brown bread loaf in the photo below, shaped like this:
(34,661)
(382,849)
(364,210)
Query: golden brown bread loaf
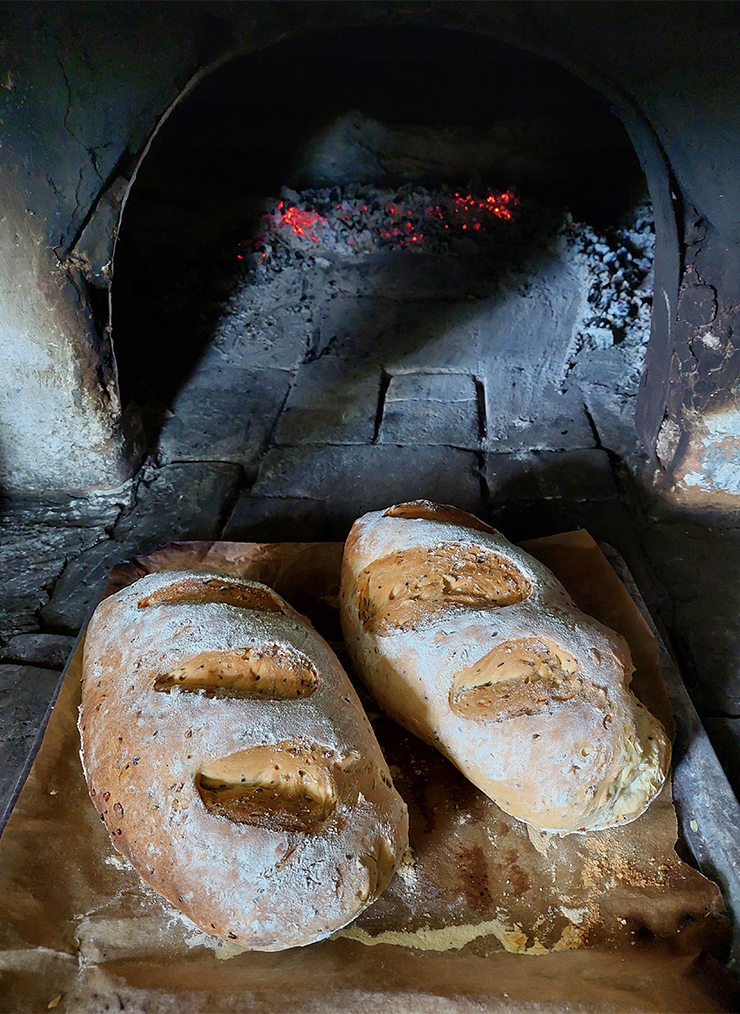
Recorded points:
(232,761)
(477,648)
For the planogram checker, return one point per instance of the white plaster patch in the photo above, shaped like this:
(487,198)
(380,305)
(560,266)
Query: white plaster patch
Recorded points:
(715,456)
(721,425)
(712,341)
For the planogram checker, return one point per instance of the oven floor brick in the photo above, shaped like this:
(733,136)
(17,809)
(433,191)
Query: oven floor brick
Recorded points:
(372,477)
(179,501)
(50,651)
(176,502)
(224,415)
(330,402)
(31,559)
(579,475)
(431,408)
(561,422)
(395,274)
(79,585)
(439,335)
(536,493)
(95,509)
(356,329)
(607,379)
(252,339)
(289,519)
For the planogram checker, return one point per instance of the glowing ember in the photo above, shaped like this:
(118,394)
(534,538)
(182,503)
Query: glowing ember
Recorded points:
(500,205)
(365,220)
(302,222)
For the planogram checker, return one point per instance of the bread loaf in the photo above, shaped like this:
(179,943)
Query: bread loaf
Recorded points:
(232,762)
(477,648)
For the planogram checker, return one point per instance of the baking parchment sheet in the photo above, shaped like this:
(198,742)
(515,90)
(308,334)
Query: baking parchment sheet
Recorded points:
(484,911)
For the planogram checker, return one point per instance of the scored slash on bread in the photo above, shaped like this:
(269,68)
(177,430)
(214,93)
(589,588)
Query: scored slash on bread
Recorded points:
(232,762)
(476,647)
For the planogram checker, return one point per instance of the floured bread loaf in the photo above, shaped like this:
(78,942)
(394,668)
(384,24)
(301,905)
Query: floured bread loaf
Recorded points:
(477,648)
(232,761)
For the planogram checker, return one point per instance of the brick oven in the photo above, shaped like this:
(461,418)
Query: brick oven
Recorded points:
(268,266)
(322,278)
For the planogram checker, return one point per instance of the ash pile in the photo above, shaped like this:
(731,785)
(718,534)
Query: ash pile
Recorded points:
(358,220)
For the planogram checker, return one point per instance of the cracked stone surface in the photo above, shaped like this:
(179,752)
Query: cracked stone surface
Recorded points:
(175,502)
(31,559)
(607,379)
(38,536)
(93,509)
(50,651)
(80,584)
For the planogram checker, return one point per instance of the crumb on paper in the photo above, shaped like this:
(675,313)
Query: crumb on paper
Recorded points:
(224,951)
(571,939)
(540,839)
(693,825)
(116,860)
(576,915)
(407,870)
(54,1002)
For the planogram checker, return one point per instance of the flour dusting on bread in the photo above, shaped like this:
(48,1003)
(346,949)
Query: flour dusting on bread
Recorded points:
(477,648)
(232,762)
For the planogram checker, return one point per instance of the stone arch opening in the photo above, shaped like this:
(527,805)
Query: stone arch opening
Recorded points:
(385,107)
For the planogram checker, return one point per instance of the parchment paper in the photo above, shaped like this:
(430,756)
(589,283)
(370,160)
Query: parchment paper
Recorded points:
(482,912)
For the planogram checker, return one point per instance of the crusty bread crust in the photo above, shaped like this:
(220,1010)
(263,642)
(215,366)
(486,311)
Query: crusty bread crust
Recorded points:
(232,762)
(477,648)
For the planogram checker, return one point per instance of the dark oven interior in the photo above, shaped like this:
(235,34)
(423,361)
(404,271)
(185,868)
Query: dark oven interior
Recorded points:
(369,247)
